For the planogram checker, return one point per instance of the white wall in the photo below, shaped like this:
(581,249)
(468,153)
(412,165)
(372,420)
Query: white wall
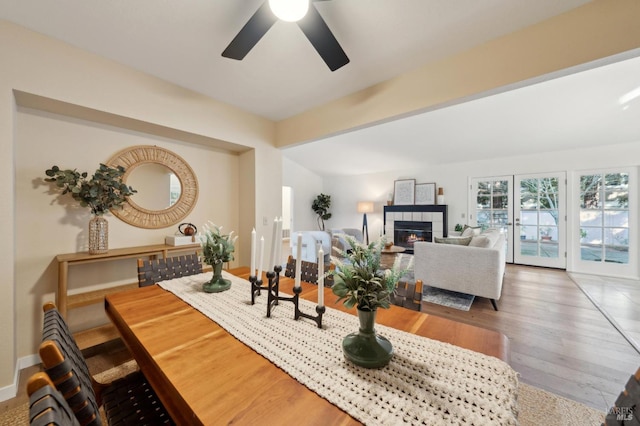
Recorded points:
(306,186)
(454,177)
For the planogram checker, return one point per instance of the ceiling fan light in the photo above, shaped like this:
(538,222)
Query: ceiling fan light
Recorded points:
(289,10)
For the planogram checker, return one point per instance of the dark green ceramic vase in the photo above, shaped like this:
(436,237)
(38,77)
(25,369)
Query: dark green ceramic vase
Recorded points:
(365,348)
(217,283)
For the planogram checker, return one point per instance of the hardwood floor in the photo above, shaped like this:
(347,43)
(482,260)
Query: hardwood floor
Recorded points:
(559,341)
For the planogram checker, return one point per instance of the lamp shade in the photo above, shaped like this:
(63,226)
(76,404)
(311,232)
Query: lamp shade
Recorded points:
(365,207)
(289,10)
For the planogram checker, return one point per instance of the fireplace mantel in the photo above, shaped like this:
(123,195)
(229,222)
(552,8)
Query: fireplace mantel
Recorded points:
(436,214)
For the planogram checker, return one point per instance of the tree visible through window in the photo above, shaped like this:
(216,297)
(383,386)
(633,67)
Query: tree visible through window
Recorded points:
(604,217)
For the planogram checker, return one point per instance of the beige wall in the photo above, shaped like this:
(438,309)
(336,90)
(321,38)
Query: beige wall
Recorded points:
(35,229)
(599,29)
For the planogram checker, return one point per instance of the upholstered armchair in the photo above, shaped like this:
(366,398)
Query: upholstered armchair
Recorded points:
(311,243)
(338,240)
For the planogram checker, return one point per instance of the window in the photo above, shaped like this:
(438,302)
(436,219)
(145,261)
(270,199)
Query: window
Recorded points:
(604,217)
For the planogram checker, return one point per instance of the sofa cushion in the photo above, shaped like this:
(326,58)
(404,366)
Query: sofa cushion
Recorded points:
(470,231)
(493,235)
(459,241)
(480,241)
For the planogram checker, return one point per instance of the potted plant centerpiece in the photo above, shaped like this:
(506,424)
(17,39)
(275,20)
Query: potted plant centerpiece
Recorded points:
(103,192)
(217,248)
(359,281)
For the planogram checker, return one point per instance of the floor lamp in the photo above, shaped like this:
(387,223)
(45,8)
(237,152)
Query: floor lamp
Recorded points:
(365,207)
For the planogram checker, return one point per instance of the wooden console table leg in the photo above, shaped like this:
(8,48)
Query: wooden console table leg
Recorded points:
(61,296)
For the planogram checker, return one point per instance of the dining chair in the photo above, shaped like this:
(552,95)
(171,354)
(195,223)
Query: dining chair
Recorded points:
(308,270)
(129,400)
(47,406)
(408,295)
(151,271)
(626,410)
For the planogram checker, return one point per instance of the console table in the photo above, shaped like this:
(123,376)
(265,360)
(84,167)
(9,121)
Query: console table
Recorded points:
(65,301)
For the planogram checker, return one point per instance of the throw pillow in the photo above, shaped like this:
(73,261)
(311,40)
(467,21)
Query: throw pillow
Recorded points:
(480,241)
(470,231)
(462,241)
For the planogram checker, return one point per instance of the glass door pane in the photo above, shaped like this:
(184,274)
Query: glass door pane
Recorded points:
(490,199)
(539,220)
(604,217)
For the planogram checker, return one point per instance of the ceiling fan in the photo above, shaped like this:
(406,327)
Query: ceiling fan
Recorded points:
(310,22)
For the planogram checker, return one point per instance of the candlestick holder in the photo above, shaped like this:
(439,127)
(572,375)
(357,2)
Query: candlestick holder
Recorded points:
(256,286)
(273,297)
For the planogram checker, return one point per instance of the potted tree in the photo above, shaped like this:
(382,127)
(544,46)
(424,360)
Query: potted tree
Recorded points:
(103,192)
(360,282)
(321,206)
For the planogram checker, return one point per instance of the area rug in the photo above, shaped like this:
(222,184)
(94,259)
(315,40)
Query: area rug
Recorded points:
(448,298)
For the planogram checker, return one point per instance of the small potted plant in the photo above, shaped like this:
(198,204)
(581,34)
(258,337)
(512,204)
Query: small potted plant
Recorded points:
(103,192)
(217,249)
(360,282)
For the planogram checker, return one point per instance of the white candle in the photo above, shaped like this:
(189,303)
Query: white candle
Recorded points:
(253,252)
(321,277)
(272,256)
(260,259)
(279,243)
(298,261)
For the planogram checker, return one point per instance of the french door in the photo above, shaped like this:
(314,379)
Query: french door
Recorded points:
(491,204)
(529,210)
(540,220)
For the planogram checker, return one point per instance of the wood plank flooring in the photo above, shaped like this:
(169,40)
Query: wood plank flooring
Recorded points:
(559,341)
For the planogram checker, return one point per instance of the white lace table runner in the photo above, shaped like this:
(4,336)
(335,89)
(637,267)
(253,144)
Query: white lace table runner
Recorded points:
(427,382)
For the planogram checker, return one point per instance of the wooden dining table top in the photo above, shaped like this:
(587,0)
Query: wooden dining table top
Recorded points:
(204,375)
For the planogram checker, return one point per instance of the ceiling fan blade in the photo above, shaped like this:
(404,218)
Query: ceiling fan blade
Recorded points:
(251,33)
(322,39)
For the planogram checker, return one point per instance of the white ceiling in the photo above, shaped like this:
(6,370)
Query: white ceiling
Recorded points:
(571,112)
(181,41)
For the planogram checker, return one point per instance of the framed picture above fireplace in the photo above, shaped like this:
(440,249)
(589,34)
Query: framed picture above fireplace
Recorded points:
(425,194)
(404,192)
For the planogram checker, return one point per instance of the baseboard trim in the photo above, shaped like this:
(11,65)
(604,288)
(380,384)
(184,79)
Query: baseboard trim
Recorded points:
(11,391)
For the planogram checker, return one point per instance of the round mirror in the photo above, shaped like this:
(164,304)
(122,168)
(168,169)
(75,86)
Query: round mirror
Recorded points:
(158,187)
(167,187)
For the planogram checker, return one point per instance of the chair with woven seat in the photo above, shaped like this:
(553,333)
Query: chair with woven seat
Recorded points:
(127,401)
(408,295)
(47,406)
(151,271)
(308,272)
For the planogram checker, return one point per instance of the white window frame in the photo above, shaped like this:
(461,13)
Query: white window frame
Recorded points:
(576,264)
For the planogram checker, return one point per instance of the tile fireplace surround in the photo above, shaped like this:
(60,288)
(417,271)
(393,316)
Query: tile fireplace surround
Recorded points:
(434,216)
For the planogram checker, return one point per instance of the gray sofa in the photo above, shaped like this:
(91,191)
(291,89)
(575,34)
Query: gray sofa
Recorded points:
(477,268)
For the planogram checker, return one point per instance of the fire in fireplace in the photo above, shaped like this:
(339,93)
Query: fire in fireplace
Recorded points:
(405,233)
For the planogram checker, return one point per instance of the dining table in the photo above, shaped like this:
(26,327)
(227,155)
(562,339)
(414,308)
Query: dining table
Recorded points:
(203,374)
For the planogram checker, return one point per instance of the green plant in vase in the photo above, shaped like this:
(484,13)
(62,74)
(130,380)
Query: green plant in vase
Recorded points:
(360,282)
(103,192)
(217,249)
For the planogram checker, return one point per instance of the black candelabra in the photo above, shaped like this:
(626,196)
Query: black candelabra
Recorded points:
(256,286)
(273,296)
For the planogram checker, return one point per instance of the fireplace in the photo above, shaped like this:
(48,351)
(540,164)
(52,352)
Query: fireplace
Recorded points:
(406,233)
